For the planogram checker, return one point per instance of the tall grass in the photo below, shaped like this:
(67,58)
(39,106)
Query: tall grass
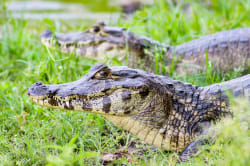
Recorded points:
(33,135)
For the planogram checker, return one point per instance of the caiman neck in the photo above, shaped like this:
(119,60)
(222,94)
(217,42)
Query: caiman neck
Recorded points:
(173,121)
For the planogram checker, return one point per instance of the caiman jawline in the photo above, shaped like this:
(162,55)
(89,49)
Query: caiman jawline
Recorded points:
(83,102)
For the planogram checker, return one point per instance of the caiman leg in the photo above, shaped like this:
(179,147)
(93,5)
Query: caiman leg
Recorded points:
(193,147)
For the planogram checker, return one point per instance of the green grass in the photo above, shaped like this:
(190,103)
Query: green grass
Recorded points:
(33,135)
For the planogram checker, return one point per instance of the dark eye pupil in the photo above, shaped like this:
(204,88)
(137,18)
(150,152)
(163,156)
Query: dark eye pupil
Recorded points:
(96,29)
(104,73)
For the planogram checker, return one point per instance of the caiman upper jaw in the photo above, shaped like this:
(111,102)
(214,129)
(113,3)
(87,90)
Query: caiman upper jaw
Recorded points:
(91,84)
(37,89)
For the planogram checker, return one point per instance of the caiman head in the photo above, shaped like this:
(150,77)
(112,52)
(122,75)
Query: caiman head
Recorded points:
(94,41)
(103,43)
(119,91)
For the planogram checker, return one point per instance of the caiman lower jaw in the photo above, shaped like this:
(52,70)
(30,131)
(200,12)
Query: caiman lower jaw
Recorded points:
(48,42)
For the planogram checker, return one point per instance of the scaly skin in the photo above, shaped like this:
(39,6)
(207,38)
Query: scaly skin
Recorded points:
(160,111)
(226,50)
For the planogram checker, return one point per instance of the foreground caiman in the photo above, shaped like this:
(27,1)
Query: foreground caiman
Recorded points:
(226,50)
(162,112)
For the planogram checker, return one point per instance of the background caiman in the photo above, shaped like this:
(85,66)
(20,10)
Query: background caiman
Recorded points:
(162,112)
(226,50)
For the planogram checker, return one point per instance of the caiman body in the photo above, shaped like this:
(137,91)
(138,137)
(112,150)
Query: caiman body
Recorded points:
(162,112)
(226,50)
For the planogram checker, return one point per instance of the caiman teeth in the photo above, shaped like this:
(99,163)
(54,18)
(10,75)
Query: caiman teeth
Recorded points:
(72,100)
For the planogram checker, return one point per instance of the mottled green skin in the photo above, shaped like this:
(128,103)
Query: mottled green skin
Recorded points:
(226,50)
(163,112)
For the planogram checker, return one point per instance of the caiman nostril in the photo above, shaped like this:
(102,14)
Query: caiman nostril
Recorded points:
(170,85)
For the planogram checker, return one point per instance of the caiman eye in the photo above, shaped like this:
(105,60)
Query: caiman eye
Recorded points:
(96,29)
(103,74)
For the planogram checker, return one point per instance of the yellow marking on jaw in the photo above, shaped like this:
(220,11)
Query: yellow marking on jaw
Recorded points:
(80,44)
(99,94)
(115,77)
(103,33)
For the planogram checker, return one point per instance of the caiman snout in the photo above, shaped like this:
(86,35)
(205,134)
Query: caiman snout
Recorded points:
(37,89)
(46,34)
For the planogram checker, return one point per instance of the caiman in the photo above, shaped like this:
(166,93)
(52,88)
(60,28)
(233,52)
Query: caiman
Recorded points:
(166,113)
(226,50)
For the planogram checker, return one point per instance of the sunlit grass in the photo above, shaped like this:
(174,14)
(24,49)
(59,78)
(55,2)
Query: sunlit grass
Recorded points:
(33,135)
